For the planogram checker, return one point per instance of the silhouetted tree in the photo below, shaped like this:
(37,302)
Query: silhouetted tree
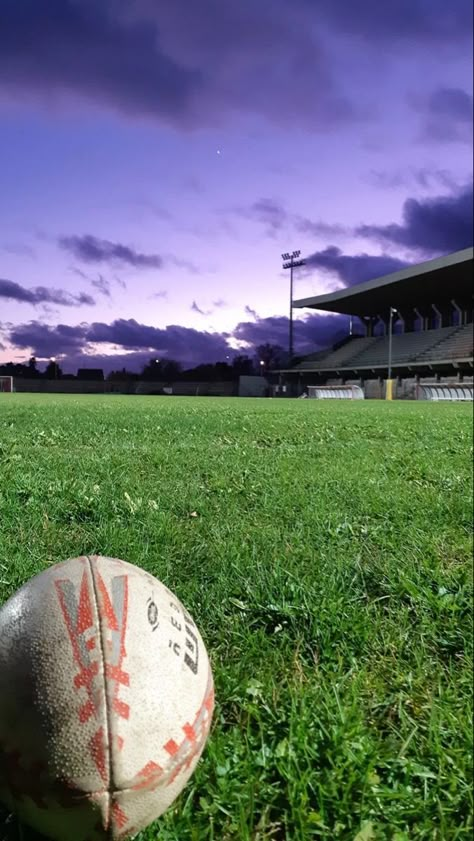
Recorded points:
(152,371)
(170,369)
(32,367)
(121,376)
(13,369)
(273,356)
(53,371)
(242,366)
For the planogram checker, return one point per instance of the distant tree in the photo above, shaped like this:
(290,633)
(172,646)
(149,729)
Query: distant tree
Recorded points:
(121,376)
(200,373)
(223,371)
(13,369)
(171,370)
(152,371)
(32,367)
(242,366)
(53,371)
(273,356)
(94,374)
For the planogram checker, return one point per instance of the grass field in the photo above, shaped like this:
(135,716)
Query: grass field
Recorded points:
(329,571)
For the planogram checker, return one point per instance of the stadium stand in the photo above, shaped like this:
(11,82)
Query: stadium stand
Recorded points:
(446,343)
(458,345)
(337,358)
(435,296)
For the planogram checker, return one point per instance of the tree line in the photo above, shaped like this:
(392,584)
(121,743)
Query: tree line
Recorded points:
(267,357)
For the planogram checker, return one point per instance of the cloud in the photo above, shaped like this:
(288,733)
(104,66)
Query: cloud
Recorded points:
(312,332)
(195,308)
(18,249)
(136,342)
(46,340)
(270,213)
(183,343)
(89,49)
(425,177)
(193,64)
(274,217)
(452,103)
(353,268)
(219,304)
(187,265)
(42,295)
(102,285)
(404,20)
(431,226)
(185,63)
(447,116)
(162,293)
(119,281)
(90,249)
(251,312)
(319,229)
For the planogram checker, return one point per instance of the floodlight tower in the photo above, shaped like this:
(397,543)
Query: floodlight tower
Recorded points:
(290,261)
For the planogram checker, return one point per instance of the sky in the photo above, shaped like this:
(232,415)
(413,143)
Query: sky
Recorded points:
(158,156)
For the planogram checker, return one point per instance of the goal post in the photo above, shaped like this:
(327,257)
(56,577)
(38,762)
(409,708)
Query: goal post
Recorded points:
(6,384)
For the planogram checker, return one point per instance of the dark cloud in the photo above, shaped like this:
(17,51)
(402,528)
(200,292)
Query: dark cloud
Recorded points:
(183,343)
(81,298)
(42,295)
(353,268)
(251,312)
(46,340)
(219,304)
(452,103)
(403,20)
(88,48)
(90,249)
(162,293)
(311,333)
(136,342)
(431,226)
(192,63)
(183,62)
(447,115)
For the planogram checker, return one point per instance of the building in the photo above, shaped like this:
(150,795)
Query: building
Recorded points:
(418,319)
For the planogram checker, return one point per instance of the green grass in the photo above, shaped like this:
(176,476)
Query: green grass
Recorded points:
(329,571)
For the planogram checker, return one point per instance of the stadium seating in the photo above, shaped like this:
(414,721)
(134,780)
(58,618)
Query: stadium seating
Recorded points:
(337,358)
(444,343)
(458,345)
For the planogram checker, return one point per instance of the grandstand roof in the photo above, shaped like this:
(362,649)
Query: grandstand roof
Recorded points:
(436,281)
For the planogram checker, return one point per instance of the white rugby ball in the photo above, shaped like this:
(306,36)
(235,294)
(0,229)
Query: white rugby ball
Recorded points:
(106,699)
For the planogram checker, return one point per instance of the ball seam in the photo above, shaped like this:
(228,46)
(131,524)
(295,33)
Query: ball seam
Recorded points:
(108,725)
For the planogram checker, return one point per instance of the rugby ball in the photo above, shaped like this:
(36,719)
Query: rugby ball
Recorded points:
(106,700)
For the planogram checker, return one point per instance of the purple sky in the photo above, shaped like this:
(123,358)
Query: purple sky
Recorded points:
(158,156)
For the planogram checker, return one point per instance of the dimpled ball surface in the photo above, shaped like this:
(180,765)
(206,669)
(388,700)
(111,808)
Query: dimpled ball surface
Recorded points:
(106,699)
